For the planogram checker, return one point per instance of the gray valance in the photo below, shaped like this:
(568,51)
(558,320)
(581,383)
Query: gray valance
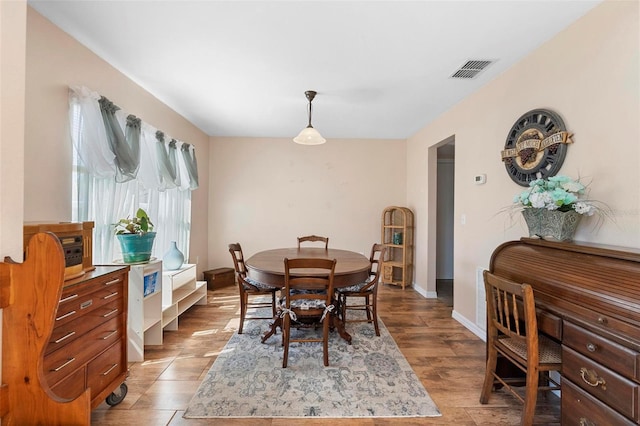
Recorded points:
(126,148)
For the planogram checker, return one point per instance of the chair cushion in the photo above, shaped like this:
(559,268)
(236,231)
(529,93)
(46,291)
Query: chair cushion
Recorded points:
(258,284)
(354,288)
(305,304)
(305,291)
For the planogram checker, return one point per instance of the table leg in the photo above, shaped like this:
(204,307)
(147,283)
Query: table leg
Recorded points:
(339,324)
(336,322)
(277,322)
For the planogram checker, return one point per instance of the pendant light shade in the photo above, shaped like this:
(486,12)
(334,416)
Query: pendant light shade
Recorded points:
(309,135)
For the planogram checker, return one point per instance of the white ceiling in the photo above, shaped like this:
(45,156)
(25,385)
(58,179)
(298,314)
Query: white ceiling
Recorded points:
(240,68)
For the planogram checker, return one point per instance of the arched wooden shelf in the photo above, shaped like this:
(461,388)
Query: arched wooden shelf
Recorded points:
(397,236)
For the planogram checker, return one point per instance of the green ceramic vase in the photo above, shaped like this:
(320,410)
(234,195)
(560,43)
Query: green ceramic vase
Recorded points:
(136,248)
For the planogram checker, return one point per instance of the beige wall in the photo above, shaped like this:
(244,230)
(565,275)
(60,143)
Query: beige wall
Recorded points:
(55,61)
(12,64)
(589,74)
(267,192)
(12,81)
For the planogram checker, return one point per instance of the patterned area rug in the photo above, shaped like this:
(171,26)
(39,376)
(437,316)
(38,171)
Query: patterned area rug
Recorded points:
(370,378)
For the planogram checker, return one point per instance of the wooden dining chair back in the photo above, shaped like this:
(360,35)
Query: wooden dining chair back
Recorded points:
(250,288)
(512,332)
(308,300)
(366,291)
(313,239)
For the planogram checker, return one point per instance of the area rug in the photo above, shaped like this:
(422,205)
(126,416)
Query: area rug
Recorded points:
(369,378)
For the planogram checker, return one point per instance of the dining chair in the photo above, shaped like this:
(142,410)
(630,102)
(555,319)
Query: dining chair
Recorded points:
(367,290)
(308,301)
(249,288)
(314,238)
(512,332)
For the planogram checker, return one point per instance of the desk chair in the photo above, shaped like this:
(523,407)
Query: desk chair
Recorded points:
(314,238)
(367,290)
(512,331)
(250,287)
(308,300)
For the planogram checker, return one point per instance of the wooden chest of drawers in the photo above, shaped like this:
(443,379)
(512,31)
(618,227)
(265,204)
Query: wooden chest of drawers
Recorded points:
(87,348)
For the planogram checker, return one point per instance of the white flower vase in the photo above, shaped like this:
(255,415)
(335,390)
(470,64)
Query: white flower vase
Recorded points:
(173,258)
(552,225)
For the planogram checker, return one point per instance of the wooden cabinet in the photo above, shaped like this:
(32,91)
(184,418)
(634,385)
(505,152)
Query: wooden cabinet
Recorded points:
(64,342)
(180,291)
(397,236)
(593,292)
(87,348)
(145,308)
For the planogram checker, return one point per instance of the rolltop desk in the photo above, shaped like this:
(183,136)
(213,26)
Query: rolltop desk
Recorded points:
(588,298)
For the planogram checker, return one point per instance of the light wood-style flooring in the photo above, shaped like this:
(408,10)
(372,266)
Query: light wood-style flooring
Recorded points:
(447,357)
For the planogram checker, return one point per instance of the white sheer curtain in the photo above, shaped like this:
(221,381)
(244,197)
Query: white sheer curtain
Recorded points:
(101,199)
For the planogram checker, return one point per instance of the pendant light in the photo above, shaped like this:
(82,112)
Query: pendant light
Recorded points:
(309,135)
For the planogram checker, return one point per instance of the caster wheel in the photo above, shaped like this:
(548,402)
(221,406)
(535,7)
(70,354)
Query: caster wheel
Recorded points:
(116,397)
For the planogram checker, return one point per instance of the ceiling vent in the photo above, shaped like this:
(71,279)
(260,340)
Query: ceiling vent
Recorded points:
(471,69)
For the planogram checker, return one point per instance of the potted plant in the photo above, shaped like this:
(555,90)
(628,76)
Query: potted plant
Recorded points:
(136,237)
(552,207)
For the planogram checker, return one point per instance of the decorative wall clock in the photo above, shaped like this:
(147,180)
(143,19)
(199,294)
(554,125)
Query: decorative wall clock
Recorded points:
(536,146)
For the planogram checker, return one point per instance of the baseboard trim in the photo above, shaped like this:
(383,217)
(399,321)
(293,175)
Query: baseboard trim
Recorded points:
(424,293)
(471,326)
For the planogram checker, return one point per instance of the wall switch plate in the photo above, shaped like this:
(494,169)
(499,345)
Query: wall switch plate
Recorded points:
(480,179)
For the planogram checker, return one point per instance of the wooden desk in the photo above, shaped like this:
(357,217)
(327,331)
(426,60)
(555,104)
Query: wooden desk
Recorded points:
(268,267)
(588,298)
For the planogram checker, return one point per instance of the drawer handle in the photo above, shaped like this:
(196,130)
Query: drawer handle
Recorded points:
(66,336)
(591,347)
(591,378)
(115,293)
(69,361)
(603,320)
(110,334)
(86,304)
(68,314)
(109,370)
(117,280)
(586,422)
(108,314)
(70,297)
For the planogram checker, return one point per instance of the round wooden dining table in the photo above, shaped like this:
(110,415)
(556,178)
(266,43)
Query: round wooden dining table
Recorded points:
(268,267)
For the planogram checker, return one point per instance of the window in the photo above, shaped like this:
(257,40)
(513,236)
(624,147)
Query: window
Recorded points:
(99,198)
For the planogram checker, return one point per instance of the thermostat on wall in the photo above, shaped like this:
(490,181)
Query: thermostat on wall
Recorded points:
(480,179)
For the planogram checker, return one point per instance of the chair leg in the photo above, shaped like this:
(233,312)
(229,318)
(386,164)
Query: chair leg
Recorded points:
(286,330)
(244,300)
(367,304)
(531,396)
(374,309)
(492,361)
(325,339)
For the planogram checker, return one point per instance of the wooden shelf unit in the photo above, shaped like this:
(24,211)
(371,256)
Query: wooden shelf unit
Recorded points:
(145,308)
(397,236)
(180,291)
